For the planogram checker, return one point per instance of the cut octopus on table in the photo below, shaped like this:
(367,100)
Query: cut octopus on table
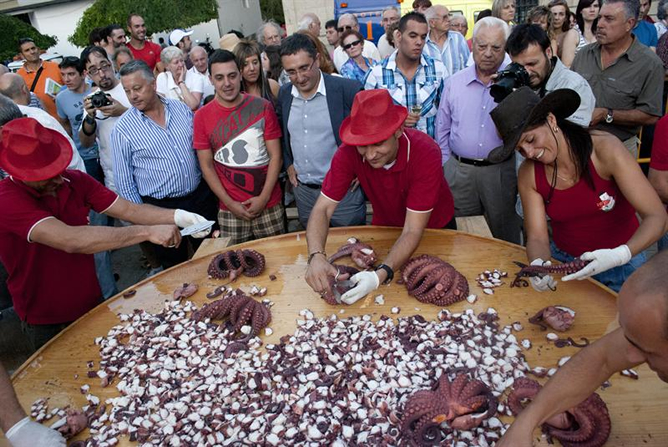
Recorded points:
(72,424)
(362,254)
(529,271)
(185,291)
(559,318)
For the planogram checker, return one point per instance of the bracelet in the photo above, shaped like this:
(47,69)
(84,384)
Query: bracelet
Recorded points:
(310,257)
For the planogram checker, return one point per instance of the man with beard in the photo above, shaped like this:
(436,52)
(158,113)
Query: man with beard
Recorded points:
(99,120)
(113,36)
(141,47)
(413,79)
(643,311)
(529,46)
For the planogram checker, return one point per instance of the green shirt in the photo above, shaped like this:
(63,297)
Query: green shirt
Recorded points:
(633,82)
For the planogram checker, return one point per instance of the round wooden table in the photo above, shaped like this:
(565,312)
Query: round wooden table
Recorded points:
(637,407)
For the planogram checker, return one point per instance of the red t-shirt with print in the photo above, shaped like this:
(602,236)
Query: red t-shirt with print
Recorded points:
(237,136)
(149,54)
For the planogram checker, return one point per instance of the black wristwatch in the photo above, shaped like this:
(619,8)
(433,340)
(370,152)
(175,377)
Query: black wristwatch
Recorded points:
(388,270)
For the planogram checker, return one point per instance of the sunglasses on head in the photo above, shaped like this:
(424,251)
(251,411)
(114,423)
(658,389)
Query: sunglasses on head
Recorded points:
(351,44)
(344,28)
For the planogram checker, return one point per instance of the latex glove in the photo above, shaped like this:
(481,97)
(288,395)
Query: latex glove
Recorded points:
(27,433)
(545,283)
(365,282)
(183,219)
(601,260)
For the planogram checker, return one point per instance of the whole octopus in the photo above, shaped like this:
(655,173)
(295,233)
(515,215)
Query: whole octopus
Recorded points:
(234,263)
(462,403)
(432,280)
(528,271)
(240,310)
(585,425)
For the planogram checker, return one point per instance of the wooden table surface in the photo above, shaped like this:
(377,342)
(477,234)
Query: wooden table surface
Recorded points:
(637,408)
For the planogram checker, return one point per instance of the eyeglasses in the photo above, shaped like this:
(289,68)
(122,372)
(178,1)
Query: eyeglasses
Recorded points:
(351,44)
(301,70)
(344,28)
(104,66)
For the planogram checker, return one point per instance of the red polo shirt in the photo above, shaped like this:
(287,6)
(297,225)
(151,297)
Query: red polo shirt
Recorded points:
(415,181)
(149,54)
(49,286)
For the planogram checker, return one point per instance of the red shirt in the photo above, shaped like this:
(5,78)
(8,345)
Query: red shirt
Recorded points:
(49,286)
(415,182)
(149,54)
(586,219)
(237,136)
(659,159)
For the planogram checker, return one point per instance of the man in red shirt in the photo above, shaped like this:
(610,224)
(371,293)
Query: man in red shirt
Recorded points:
(658,168)
(46,242)
(237,138)
(140,47)
(398,169)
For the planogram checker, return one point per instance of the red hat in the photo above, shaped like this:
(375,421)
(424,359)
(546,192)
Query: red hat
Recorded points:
(374,118)
(32,152)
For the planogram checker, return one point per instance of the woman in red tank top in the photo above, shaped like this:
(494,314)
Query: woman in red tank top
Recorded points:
(585,181)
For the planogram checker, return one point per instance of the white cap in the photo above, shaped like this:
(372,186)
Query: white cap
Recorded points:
(178,34)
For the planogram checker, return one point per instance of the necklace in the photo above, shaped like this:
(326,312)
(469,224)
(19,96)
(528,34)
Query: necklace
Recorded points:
(569,180)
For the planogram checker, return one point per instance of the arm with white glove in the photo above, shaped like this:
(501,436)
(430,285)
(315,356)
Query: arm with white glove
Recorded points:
(403,248)
(601,260)
(544,283)
(184,219)
(19,429)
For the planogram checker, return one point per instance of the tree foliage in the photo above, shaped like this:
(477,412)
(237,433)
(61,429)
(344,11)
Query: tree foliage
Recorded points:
(160,15)
(272,9)
(15,29)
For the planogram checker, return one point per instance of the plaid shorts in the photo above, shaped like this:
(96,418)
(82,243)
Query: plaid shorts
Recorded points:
(270,223)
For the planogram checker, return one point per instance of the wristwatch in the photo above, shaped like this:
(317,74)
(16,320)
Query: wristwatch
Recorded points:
(90,120)
(388,270)
(608,117)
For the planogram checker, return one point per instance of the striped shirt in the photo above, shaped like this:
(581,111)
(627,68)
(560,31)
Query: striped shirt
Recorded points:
(425,88)
(454,54)
(153,161)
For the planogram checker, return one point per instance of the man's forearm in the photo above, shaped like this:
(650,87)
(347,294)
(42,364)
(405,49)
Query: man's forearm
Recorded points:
(141,214)
(403,248)
(633,118)
(577,379)
(10,409)
(317,229)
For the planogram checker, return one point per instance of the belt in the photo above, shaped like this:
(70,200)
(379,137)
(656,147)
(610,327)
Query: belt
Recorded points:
(311,185)
(472,161)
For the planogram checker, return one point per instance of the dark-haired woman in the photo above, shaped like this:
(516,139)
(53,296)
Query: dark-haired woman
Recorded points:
(567,38)
(585,181)
(254,81)
(586,15)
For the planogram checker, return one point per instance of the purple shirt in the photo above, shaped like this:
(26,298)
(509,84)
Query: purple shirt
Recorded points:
(463,123)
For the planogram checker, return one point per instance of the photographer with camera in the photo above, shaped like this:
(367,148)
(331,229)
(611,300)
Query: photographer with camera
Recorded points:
(466,134)
(103,108)
(529,47)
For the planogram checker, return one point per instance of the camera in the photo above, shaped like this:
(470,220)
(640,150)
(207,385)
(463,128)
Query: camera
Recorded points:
(99,99)
(513,77)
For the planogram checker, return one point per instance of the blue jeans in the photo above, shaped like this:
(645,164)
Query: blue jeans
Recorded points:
(350,211)
(94,169)
(105,275)
(663,242)
(613,278)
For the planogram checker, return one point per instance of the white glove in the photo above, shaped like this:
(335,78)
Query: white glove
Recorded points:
(601,260)
(27,433)
(365,282)
(545,283)
(184,219)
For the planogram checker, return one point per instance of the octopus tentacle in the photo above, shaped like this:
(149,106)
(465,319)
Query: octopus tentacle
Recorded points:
(434,281)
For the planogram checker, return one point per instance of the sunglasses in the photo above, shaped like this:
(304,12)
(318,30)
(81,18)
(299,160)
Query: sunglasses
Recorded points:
(344,28)
(351,44)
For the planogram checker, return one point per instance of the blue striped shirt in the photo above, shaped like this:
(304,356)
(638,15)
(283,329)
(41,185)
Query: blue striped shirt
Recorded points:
(153,161)
(454,54)
(424,89)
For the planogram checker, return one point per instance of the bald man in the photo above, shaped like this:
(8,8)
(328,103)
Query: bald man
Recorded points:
(14,86)
(200,62)
(642,338)
(311,23)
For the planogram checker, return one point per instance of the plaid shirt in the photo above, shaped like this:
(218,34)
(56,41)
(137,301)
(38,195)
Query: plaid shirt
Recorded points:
(424,89)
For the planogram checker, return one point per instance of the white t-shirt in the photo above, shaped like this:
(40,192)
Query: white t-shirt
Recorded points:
(169,89)
(369,51)
(207,86)
(384,47)
(105,126)
(50,122)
